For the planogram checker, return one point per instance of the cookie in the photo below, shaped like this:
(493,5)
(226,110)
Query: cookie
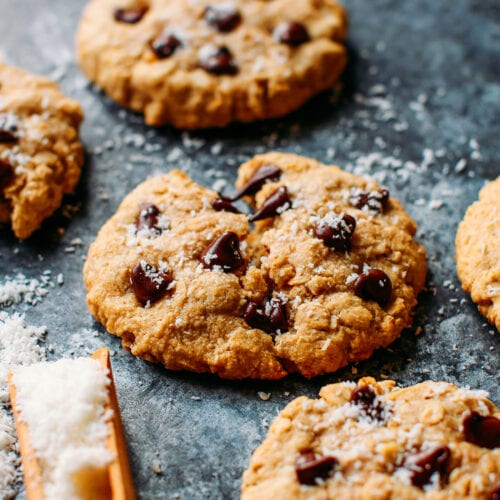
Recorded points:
(40,153)
(198,64)
(373,440)
(478,252)
(329,272)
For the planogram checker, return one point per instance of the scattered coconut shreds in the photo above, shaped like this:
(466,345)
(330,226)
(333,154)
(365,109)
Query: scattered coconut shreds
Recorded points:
(17,289)
(20,345)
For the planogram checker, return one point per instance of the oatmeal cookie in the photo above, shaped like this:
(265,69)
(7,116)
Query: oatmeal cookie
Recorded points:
(373,440)
(328,273)
(478,252)
(40,153)
(198,64)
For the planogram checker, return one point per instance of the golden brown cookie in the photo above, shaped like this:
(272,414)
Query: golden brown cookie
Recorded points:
(40,153)
(375,441)
(329,273)
(198,64)
(478,252)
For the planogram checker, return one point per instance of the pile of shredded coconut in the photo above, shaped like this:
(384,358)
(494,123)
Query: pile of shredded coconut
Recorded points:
(64,405)
(19,346)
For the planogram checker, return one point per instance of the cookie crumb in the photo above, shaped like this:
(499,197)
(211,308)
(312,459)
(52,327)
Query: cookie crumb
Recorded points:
(265,396)
(156,466)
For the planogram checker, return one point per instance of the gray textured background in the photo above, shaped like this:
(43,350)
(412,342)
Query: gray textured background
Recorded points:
(421,93)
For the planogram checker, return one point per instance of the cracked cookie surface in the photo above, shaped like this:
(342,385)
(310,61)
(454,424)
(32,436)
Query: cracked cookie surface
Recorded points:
(198,64)
(185,281)
(40,153)
(478,252)
(373,440)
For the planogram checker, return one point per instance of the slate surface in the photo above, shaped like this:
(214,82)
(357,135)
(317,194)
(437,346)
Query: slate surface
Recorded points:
(420,97)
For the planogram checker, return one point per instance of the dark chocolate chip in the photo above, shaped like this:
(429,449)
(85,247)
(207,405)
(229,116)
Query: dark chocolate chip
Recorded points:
(270,317)
(148,218)
(165,45)
(257,180)
(8,129)
(374,285)
(425,464)
(374,201)
(6,173)
(222,18)
(494,493)
(130,16)
(363,395)
(366,398)
(277,315)
(311,466)
(273,205)
(218,62)
(6,136)
(223,253)
(292,33)
(223,205)
(482,431)
(256,317)
(148,283)
(336,231)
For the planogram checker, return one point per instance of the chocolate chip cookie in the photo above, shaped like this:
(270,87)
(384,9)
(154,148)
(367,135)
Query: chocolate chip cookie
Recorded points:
(208,63)
(478,252)
(374,440)
(322,273)
(40,154)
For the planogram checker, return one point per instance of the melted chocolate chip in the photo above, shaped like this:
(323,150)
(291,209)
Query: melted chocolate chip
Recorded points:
(365,397)
(311,466)
(148,283)
(218,62)
(257,180)
(8,129)
(336,231)
(165,45)
(374,285)
(223,205)
(494,493)
(223,253)
(292,33)
(425,464)
(270,317)
(130,16)
(482,431)
(222,18)
(6,174)
(148,218)
(273,205)
(374,201)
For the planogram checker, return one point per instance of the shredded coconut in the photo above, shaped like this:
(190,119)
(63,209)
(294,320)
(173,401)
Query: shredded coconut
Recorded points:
(19,346)
(19,288)
(63,404)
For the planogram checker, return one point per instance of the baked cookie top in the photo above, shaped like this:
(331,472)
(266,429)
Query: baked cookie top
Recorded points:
(198,64)
(329,273)
(373,440)
(40,153)
(478,252)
